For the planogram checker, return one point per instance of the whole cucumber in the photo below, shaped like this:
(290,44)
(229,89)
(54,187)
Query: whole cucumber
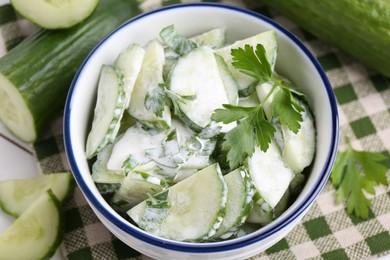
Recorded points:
(358,27)
(35,76)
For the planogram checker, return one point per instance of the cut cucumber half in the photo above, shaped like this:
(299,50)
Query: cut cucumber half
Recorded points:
(149,78)
(37,233)
(267,39)
(109,109)
(15,112)
(214,38)
(130,61)
(17,195)
(269,173)
(196,75)
(55,14)
(239,203)
(191,210)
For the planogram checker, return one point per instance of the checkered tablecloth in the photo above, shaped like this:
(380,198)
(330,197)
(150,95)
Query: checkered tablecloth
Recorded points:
(327,231)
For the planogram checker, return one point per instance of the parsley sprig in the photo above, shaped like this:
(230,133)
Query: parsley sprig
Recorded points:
(355,172)
(253,128)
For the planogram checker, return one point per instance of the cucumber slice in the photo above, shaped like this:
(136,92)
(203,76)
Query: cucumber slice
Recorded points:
(250,101)
(105,180)
(135,188)
(17,195)
(269,173)
(229,83)
(239,203)
(262,90)
(180,213)
(297,149)
(133,143)
(259,214)
(196,75)
(214,38)
(36,233)
(130,61)
(150,76)
(55,14)
(267,39)
(109,109)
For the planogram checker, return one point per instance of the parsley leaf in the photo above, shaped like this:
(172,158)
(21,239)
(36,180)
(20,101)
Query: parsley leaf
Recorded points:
(253,130)
(156,100)
(231,113)
(264,130)
(252,63)
(287,109)
(239,143)
(355,172)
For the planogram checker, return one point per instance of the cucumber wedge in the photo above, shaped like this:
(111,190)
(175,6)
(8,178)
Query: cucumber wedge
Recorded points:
(134,189)
(55,14)
(17,195)
(269,174)
(149,78)
(267,39)
(105,180)
(238,205)
(215,38)
(109,109)
(191,210)
(133,143)
(37,233)
(250,101)
(229,82)
(297,149)
(196,75)
(260,215)
(130,61)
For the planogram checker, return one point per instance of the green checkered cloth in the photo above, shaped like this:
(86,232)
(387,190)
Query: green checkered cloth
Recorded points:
(326,231)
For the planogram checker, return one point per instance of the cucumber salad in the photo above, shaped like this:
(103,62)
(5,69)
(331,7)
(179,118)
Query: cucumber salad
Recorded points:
(195,139)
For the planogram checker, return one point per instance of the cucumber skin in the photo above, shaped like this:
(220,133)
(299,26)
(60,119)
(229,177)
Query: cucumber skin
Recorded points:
(360,28)
(43,65)
(61,228)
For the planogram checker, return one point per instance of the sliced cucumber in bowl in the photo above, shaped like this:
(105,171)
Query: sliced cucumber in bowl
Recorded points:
(180,212)
(239,203)
(110,105)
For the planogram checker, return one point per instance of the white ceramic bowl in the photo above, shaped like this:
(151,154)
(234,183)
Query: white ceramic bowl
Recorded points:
(294,61)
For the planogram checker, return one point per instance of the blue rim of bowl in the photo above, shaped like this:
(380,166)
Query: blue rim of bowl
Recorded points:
(267,231)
